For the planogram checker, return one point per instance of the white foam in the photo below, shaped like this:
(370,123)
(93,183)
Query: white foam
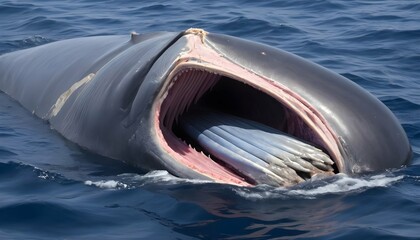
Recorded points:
(130,180)
(260,192)
(43,174)
(347,184)
(158,174)
(162,176)
(109,184)
(341,184)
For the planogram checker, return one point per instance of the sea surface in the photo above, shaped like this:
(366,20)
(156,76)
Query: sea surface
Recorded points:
(52,189)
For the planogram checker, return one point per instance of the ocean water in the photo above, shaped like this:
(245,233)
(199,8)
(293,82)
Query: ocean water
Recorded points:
(51,189)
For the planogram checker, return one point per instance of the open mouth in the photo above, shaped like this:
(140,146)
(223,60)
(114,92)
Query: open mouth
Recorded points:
(236,127)
(234,133)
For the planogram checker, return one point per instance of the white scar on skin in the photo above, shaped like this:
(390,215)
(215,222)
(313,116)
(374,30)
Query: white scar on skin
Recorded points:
(55,109)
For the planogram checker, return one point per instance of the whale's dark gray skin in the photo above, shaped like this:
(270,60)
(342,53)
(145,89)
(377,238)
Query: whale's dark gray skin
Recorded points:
(123,97)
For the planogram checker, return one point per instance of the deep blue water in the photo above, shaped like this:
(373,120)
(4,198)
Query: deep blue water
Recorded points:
(51,189)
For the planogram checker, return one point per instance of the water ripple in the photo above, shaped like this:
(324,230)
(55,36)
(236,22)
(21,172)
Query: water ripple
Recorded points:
(52,189)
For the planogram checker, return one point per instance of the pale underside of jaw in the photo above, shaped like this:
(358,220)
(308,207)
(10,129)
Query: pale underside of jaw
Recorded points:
(199,127)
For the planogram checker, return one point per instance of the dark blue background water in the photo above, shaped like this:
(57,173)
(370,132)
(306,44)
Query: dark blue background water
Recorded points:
(49,188)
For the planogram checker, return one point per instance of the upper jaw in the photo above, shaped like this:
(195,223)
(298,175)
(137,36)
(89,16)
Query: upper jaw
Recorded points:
(198,56)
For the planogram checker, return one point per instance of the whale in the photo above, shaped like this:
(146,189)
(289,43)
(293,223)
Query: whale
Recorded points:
(206,106)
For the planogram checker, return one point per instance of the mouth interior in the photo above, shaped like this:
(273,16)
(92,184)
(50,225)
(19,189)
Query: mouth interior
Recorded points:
(194,90)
